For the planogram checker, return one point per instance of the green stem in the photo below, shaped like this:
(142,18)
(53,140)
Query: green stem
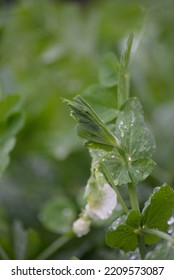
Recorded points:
(158,233)
(142,247)
(135,206)
(133,197)
(111,182)
(51,249)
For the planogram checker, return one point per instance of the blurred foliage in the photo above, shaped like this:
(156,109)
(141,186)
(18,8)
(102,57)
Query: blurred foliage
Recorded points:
(55,50)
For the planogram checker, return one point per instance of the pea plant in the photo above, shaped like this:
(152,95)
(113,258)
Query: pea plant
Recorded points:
(121,146)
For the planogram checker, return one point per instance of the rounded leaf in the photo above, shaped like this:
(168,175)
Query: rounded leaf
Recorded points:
(58,215)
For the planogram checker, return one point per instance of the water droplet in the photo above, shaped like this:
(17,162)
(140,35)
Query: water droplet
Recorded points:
(133,257)
(170,231)
(171,221)
(129,159)
(156,189)
(122,133)
(116,181)
(132,117)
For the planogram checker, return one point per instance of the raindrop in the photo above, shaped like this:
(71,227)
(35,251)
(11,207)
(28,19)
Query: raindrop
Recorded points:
(133,257)
(171,221)
(133,117)
(129,159)
(156,189)
(116,182)
(170,231)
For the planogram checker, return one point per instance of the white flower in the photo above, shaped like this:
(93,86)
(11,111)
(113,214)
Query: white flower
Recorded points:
(105,206)
(81,226)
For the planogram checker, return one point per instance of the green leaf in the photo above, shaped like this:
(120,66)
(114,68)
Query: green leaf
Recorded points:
(134,219)
(123,78)
(8,106)
(102,101)
(132,161)
(123,232)
(117,167)
(157,211)
(11,121)
(11,126)
(90,127)
(140,169)
(5,149)
(108,74)
(132,131)
(58,215)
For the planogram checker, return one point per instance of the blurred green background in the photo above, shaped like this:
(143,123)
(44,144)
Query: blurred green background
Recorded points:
(53,49)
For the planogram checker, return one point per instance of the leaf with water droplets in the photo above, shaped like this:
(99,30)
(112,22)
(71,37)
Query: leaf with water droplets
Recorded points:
(131,161)
(123,232)
(140,169)
(132,131)
(158,209)
(134,162)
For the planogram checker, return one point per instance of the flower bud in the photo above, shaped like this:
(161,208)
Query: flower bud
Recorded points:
(81,226)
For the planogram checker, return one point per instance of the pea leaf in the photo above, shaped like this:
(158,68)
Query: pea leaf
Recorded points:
(123,232)
(108,74)
(133,163)
(157,211)
(90,127)
(9,106)
(58,214)
(132,131)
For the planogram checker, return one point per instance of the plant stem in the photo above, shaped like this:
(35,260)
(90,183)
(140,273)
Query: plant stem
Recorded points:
(111,182)
(142,247)
(133,197)
(51,249)
(158,233)
(135,206)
